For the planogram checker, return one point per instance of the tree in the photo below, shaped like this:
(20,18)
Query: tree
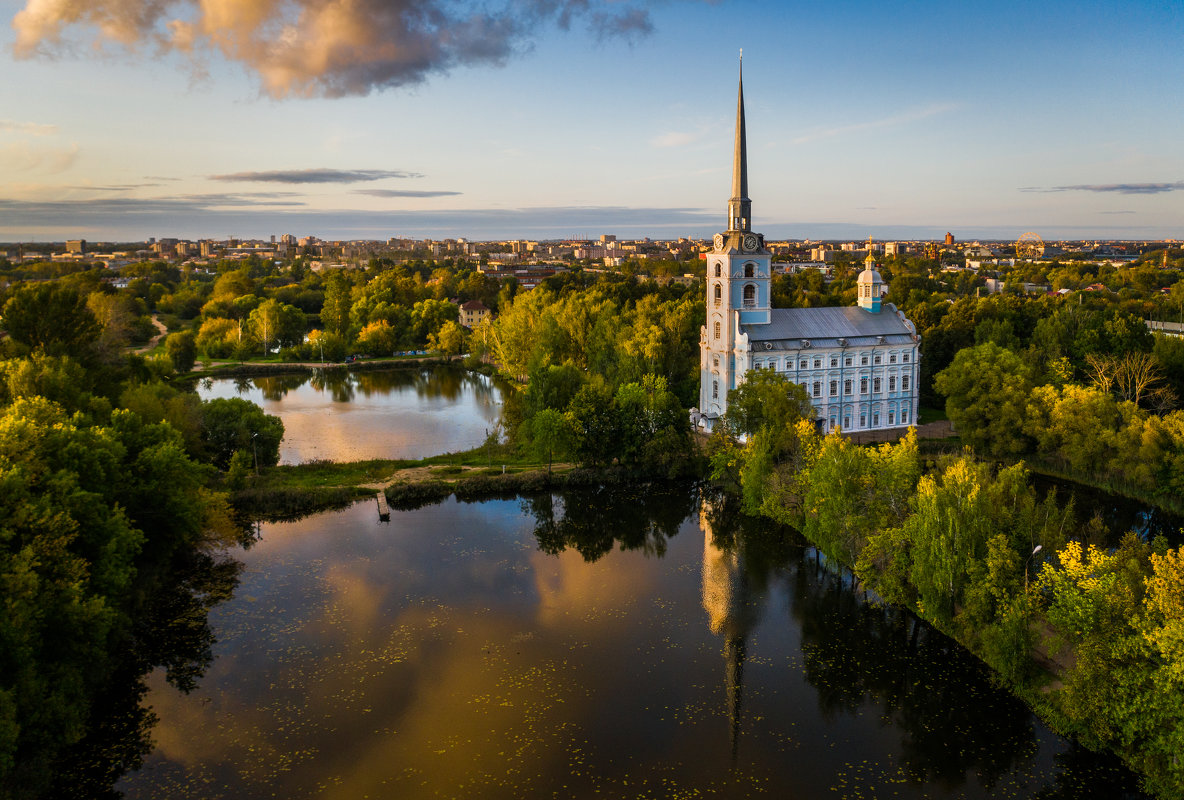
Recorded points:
(449,340)
(767,399)
(51,317)
(182,350)
(986,389)
(230,424)
(549,433)
(336,308)
(273,320)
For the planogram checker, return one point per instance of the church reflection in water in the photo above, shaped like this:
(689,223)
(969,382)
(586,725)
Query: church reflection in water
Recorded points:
(732,612)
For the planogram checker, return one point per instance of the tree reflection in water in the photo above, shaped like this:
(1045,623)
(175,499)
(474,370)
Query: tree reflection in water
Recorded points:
(439,382)
(172,632)
(954,723)
(592,521)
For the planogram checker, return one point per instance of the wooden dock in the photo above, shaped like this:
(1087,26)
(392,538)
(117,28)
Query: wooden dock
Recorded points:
(384,511)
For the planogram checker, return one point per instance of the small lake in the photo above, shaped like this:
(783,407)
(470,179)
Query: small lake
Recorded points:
(589,644)
(338,415)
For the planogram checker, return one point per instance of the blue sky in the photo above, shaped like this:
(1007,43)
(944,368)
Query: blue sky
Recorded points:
(556,118)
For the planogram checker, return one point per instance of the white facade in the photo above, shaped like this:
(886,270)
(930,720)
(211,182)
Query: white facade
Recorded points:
(859,365)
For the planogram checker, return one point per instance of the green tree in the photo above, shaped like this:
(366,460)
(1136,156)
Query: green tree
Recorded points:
(232,423)
(986,390)
(53,318)
(182,350)
(549,434)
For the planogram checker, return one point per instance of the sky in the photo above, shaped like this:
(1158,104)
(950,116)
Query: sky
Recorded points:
(544,119)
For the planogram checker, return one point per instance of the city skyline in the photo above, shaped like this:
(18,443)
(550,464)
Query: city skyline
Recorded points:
(548,120)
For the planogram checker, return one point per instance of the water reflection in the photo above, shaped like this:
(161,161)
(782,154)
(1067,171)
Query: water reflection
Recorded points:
(172,636)
(599,643)
(340,415)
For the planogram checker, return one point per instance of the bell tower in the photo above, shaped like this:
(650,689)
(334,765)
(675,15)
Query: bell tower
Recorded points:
(738,284)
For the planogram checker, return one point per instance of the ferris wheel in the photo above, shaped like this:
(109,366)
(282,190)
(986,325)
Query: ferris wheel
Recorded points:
(1029,246)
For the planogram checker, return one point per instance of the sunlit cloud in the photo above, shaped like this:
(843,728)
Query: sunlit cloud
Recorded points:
(315,176)
(893,121)
(402,193)
(312,48)
(1116,188)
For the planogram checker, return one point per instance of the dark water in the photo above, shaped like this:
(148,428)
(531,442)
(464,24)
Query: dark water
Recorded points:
(596,644)
(337,415)
(1114,513)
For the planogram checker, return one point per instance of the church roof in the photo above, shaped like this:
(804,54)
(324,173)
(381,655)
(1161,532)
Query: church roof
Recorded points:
(824,327)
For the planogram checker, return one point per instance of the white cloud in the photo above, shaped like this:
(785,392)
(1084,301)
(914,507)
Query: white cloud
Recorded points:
(30,128)
(23,157)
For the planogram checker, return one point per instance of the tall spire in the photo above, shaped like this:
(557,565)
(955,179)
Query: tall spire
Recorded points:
(739,206)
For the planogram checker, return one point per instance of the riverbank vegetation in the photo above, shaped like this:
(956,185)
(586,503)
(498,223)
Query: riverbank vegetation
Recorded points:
(1090,636)
(111,519)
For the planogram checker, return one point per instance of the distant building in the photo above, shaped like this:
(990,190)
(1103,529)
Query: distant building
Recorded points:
(76,246)
(949,239)
(473,313)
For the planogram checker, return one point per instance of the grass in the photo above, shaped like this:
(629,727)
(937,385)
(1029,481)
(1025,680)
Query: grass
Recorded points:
(930,414)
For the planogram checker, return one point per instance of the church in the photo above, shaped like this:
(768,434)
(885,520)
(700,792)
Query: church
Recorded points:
(859,364)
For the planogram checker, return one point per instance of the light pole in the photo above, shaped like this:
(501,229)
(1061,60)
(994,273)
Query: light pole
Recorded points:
(255,450)
(1038,548)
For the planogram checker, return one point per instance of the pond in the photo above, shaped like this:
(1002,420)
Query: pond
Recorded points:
(630,643)
(339,415)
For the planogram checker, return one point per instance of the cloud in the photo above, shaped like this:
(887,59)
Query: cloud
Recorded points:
(314,48)
(886,122)
(1118,188)
(315,176)
(121,187)
(402,193)
(1116,212)
(32,128)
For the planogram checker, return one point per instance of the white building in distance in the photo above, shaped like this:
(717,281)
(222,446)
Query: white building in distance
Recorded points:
(859,364)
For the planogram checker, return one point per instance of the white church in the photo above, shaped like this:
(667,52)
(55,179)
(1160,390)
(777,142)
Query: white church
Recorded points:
(859,364)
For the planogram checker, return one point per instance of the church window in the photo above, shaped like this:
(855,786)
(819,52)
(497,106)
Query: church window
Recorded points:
(832,423)
(863,385)
(749,270)
(904,415)
(863,420)
(878,358)
(846,422)
(905,358)
(817,388)
(749,296)
(847,386)
(891,417)
(719,294)
(847,361)
(717,330)
(892,358)
(875,385)
(817,363)
(904,383)
(715,361)
(892,383)
(718,270)
(834,361)
(803,364)
(715,390)
(834,388)
(863,360)
(876,418)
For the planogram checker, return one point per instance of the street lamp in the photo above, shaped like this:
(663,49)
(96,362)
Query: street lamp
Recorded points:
(255,450)
(1039,547)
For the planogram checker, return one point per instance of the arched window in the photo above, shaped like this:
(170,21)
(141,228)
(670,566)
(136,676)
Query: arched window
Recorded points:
(749,270)
(715,362)
(717,330)
(749,296)
(719,293)
(718,271)
(715,390)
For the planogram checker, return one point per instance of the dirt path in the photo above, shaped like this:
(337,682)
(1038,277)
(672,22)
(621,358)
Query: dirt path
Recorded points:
(162,331)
